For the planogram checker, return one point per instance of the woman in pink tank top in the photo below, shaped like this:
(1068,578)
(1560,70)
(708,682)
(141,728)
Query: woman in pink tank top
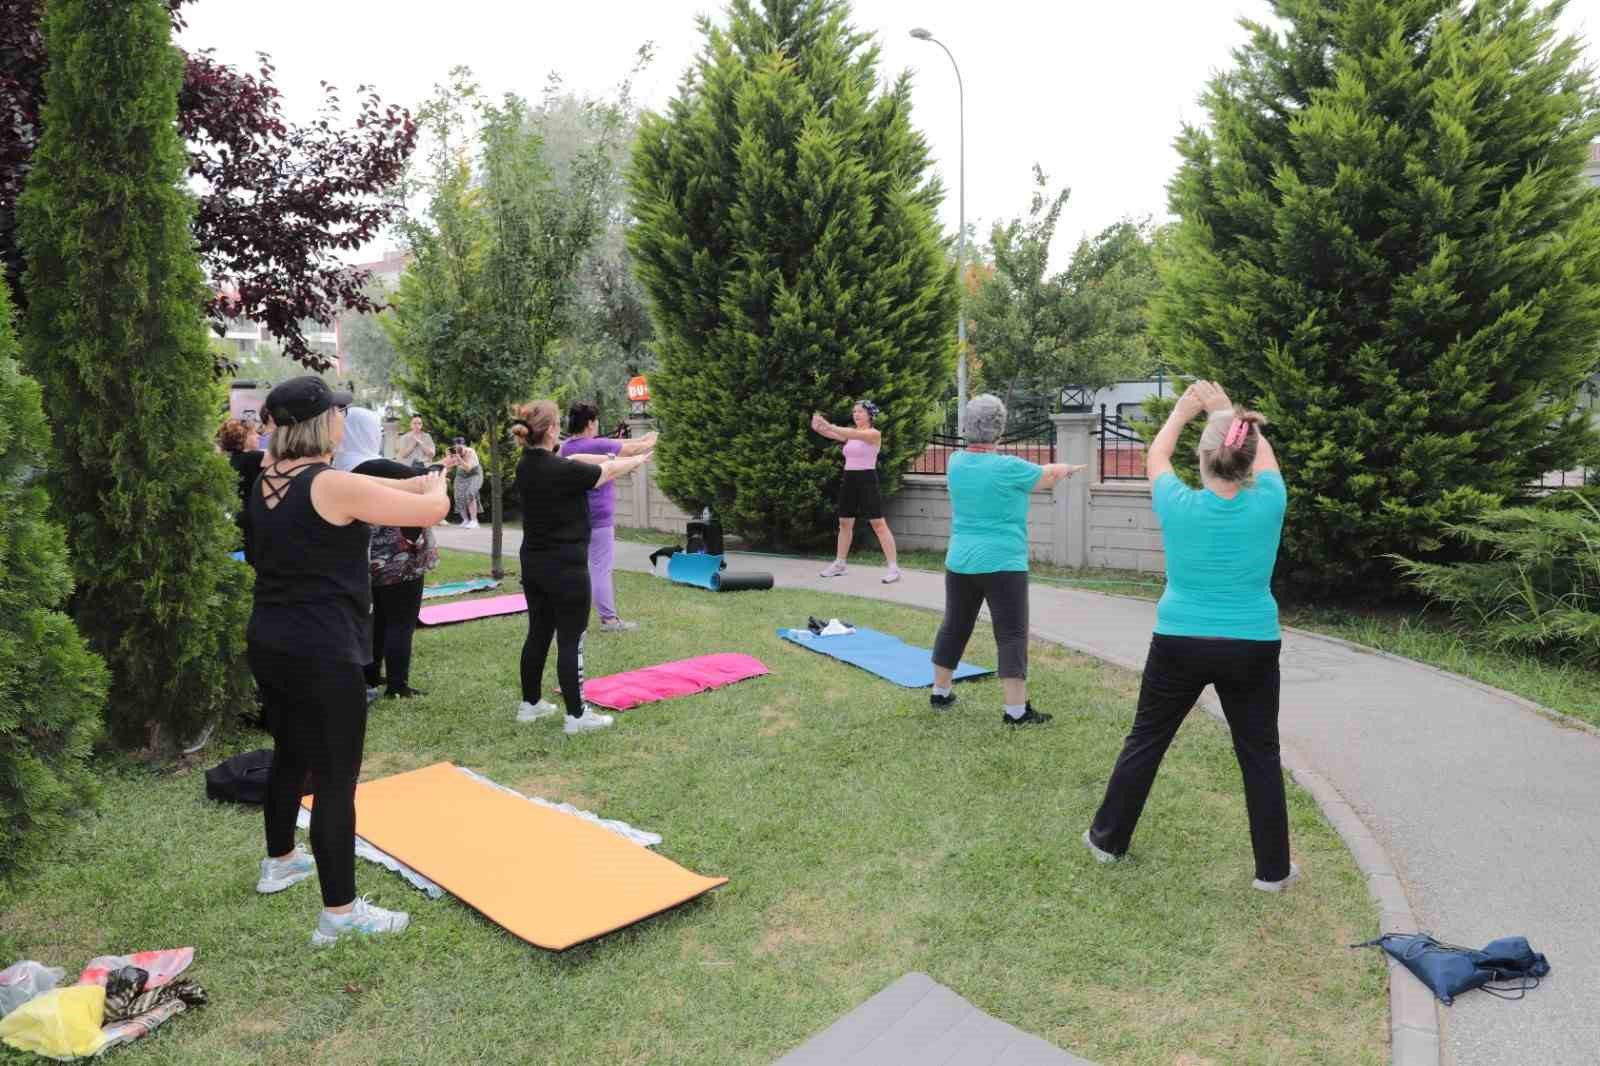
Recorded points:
(858,495)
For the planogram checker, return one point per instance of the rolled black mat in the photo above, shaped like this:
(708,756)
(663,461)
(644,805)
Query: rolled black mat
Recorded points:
(729,581)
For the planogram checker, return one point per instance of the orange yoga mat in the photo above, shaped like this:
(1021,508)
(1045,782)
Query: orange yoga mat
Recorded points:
(547,877)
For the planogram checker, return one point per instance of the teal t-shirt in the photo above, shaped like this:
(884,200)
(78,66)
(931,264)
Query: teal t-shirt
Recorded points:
(1220,555)
(989,496)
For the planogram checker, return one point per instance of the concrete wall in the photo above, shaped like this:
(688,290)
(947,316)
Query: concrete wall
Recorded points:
(1121,529)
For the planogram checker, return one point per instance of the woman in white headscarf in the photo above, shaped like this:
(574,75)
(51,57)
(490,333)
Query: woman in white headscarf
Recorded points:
(398,561)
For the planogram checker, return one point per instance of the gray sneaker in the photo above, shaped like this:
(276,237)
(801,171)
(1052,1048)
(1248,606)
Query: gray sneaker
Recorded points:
(365,919)
(1100,854)
(617,625)
(833,569)
(587,723)
(279,874)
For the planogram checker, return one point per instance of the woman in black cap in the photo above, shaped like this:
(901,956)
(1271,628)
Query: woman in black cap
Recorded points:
(308,640)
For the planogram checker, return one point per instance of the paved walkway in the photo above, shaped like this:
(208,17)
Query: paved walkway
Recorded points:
(1489,811)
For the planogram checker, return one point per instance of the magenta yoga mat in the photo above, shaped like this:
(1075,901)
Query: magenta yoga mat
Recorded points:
(444,614)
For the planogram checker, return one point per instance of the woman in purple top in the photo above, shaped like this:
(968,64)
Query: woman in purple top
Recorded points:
(583,429)
(859,496)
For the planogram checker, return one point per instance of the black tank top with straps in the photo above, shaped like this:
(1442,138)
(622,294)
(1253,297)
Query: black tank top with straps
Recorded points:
(313,594)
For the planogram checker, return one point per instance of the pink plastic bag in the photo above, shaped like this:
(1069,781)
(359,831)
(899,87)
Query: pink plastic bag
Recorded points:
(162,966)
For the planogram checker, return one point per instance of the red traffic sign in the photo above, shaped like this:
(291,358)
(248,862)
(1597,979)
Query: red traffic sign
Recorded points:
(639,389)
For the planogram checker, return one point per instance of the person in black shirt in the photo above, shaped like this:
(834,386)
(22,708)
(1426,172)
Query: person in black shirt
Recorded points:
(555,559)
(308,639)
(239,443)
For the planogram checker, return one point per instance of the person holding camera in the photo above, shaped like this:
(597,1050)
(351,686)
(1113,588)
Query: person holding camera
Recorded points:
(469,480)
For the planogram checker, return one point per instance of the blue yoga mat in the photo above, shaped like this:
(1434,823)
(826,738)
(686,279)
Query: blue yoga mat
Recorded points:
(236,556)
(694,568)
(879,653)
(457,588)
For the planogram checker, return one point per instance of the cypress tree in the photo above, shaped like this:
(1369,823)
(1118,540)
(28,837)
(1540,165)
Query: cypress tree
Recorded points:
(1386,248)
(115,336)
(787,241)
(51,685)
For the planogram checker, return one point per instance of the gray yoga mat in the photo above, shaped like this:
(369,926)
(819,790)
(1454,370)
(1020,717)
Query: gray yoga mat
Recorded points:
(918,1022)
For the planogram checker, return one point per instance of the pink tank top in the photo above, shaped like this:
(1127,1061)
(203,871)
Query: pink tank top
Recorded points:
(859,455)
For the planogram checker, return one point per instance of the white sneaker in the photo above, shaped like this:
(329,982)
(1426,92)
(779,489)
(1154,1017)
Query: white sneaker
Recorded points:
(532,712)
(1278,886)
(617,625)
(892,576)
(1100,855)
(833,569)
(588,723)
(279,874)
(470,525)
(365,918)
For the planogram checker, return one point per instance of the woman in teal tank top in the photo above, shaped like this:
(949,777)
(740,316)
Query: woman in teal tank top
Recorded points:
(1216,624)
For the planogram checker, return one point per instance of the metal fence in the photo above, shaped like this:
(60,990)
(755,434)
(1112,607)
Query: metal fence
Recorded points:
(1121,448)
(1556,480)
(1035,442)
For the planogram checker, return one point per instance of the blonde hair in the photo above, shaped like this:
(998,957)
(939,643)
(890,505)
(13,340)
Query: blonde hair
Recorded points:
(532,421)
(303,440)
(1237,463)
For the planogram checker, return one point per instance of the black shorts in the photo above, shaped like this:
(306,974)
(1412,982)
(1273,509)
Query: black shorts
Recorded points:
(859,497)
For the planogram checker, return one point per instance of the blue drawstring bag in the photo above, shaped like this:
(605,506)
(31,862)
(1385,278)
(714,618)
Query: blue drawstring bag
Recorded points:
(1506,968)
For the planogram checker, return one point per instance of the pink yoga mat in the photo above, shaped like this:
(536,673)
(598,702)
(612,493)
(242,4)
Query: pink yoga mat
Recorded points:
(681,678)
(466,610)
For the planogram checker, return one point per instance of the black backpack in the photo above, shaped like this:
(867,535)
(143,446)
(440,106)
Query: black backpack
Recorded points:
(241,778)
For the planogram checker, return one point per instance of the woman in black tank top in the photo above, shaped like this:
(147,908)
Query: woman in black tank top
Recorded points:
(308,639)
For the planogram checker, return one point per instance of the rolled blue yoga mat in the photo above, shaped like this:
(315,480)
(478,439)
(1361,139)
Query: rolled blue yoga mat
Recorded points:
(694,568)
(457,588)
(882,654)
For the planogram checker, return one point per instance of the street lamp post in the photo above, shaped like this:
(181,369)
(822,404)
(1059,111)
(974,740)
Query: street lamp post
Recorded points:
(961,237)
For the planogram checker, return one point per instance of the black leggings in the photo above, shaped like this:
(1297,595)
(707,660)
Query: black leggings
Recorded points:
(557,587)
(394,622)
(1245,675)
(317,711)
(1006,592)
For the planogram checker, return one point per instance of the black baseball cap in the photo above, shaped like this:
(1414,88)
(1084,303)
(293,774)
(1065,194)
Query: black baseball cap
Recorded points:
(302,399)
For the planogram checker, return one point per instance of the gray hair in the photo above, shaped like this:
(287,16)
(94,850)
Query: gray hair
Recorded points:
(985,419)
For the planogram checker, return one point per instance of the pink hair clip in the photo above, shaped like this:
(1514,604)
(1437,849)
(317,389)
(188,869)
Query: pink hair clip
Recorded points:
(1236,433)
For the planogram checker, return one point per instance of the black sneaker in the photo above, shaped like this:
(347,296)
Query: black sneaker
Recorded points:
(941,703)
(404,693)
(1029,717)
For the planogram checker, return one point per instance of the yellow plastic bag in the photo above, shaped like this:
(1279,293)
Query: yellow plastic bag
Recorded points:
(60,1024)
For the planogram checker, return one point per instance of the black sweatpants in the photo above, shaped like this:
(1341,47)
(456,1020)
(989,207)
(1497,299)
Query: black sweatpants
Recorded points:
(317,711)
(1006,592)
(1245,675)
(557,586)
(394,622)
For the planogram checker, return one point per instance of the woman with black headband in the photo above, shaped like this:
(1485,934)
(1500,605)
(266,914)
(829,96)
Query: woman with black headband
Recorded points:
(1216,624)
(858,495)
(555,559)
(308,640)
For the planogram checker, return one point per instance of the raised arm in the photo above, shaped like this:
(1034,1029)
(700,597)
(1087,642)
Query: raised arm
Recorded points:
(842,433)
(341,498)
(1266,458)
(1051,473)
(634,447)
(611,469)
(1158,457)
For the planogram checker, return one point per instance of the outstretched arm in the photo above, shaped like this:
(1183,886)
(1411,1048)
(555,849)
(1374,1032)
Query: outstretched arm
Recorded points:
(833,432)
(634,447)
(1054,472)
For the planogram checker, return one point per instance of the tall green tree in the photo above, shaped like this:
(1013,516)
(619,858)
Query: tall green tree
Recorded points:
(1384,246)
(1086,325)
(495,262)
(51,686)
(115,336)
(787,239)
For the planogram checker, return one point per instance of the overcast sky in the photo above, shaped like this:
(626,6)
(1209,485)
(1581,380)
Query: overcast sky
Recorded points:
(1093,92)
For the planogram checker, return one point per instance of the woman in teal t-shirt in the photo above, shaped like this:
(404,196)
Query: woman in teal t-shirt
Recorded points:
(987,561)
(1216,624)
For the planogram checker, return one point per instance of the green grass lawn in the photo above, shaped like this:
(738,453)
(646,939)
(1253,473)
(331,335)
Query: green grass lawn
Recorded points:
(864,834)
